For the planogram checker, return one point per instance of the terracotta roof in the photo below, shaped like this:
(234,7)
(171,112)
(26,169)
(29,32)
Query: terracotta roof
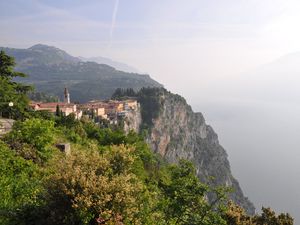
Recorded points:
(56,103)
(93,105)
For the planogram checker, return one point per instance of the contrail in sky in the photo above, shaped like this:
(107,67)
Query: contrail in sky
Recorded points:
(114,17)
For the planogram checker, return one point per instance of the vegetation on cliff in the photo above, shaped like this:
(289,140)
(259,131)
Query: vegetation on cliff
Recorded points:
(108,178)
(175,132)
(150,100)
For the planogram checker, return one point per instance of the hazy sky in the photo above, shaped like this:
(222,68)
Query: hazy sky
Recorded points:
(168,39)
(205,50)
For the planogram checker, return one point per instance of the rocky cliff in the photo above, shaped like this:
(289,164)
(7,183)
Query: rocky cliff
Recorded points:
(179,133)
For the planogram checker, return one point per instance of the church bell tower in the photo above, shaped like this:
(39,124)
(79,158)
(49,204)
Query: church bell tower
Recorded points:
(66,96)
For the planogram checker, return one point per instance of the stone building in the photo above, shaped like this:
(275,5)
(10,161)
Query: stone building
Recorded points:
(65,107)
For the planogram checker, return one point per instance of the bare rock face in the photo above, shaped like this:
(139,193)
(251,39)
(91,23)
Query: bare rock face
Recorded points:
(6,125)
(133,120)
(179,133)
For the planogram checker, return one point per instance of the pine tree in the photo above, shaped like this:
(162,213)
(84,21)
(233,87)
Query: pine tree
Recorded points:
(12,91)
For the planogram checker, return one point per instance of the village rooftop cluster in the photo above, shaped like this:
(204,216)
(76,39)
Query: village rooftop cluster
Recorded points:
(110,110)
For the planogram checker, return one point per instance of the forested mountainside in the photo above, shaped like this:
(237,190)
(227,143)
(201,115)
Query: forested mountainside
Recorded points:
(117,65)
(51,69)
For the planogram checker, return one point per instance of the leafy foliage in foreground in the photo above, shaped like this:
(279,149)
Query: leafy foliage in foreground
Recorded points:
(19,184)
(109,178)
(93,187)
(32,138)
(235,215)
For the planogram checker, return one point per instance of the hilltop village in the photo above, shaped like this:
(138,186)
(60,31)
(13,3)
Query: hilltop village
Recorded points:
(110,110)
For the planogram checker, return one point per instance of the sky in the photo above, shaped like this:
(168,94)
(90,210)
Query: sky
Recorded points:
(167,39)
(211,52)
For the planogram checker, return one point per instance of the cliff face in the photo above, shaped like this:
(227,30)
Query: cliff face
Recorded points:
(179,133)
(133,120)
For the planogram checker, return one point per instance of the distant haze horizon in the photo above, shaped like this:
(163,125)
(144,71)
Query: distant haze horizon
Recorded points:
(257,119)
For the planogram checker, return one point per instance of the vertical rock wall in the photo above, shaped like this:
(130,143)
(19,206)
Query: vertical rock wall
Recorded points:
(179,133)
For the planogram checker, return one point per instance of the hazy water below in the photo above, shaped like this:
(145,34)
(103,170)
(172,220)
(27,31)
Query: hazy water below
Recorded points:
(262,140)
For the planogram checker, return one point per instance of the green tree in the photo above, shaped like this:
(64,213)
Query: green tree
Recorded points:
(12,91)
(71,127)
(69,121)
(268,216)
(235,215)
(20,184)
(121,93)
(93,188)
(36,134)
(185,201)
(58,111)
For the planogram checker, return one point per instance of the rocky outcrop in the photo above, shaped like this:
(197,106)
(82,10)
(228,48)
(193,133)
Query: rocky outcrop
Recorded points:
(133,120)
(6,125)
(179,133)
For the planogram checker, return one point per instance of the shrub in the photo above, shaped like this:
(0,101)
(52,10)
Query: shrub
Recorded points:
(90,187)
(37,133)
(19,184)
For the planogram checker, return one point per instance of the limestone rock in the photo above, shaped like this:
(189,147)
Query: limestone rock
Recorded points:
(179,133)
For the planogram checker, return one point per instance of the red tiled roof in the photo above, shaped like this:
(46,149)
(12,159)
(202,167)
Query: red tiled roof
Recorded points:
(54,104)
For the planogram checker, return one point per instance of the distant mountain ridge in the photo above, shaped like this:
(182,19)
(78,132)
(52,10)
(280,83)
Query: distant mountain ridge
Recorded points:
(50,69)
(118,65)
(40,54)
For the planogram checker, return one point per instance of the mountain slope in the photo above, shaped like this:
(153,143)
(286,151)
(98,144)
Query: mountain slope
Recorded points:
(51,69)
(118,65)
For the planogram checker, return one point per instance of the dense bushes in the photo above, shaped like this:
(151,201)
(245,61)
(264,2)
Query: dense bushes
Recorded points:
(20,184)
(109,178)
(32,138)
(150,100)
(235,215)
(94,187)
